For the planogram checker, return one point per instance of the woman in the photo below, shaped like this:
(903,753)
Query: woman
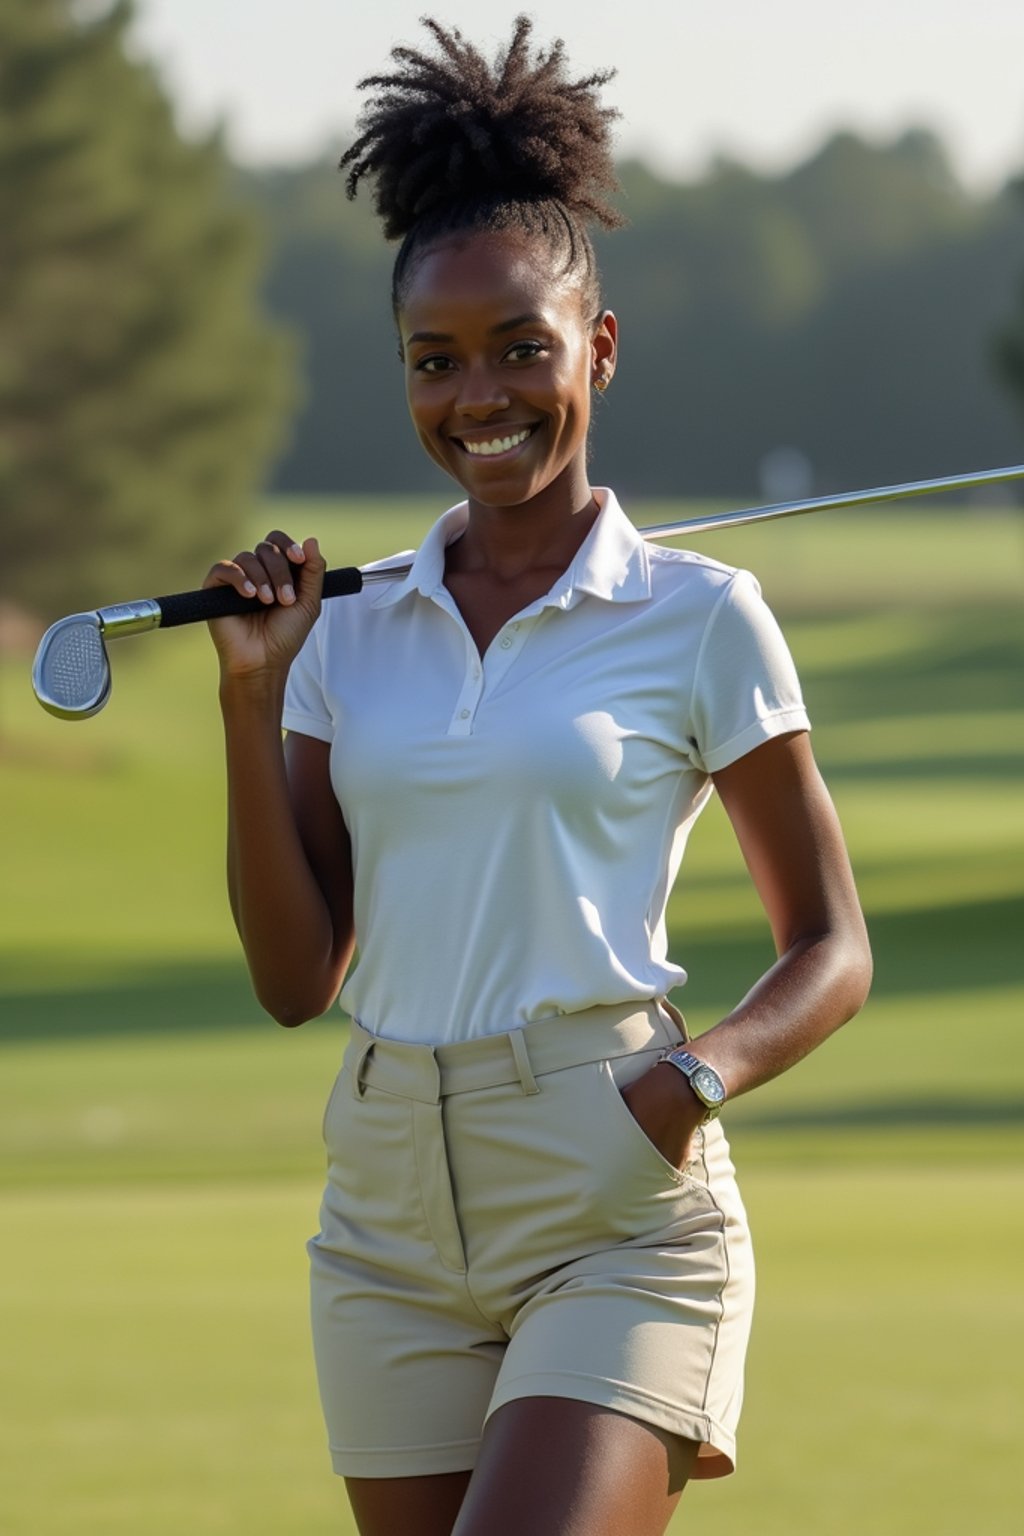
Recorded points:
(533,1263)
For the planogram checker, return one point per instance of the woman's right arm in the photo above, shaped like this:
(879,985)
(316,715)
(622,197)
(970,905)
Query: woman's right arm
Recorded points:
(289,858)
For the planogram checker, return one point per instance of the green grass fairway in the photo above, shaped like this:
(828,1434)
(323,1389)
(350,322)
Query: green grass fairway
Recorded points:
(158,1359)
(160,1154)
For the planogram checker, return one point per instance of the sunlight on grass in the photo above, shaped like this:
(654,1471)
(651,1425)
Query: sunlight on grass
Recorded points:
(160,1153)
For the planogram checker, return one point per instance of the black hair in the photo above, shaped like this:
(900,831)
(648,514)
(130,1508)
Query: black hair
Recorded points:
(457,144)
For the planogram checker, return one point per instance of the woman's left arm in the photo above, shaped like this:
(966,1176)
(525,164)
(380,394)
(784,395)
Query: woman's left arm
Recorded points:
(790,837)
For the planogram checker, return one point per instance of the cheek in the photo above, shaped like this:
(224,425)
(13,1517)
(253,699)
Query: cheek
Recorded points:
(573,384)
(423,422)
(574,397)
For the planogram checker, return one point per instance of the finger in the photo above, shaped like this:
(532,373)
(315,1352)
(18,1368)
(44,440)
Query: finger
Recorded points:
(289,547)
(231,573)
(293,552)
(278,571)
(257,574)
(311,575)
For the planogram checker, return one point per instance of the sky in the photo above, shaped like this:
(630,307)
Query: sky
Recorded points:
(764,81)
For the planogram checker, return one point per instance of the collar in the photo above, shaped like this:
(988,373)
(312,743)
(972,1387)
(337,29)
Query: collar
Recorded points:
(612,563)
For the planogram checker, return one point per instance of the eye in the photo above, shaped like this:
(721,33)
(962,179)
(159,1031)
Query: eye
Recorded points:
(523,351)
(435,364)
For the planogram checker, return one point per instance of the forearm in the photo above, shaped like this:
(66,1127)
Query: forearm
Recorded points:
(815,986)
(295,954)
(793,846)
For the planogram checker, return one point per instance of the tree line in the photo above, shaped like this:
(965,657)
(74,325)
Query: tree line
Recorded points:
(176,332)
(855,309)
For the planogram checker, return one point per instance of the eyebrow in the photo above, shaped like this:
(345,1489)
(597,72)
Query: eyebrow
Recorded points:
(496,330)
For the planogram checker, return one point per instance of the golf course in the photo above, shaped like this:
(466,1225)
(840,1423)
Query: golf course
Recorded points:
(160,1152)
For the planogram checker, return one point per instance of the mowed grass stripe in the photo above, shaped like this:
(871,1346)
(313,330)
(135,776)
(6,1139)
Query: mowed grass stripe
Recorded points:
(158,1364)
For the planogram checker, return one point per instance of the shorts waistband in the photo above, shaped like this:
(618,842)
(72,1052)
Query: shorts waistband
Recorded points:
(430,1073)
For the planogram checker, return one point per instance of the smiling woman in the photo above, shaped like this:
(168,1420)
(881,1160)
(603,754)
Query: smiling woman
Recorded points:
(532,1284)
(501,397)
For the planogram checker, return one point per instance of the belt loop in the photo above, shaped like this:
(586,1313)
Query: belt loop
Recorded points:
(676,1017)
(517,1041)
(358,1083)
(437,1076)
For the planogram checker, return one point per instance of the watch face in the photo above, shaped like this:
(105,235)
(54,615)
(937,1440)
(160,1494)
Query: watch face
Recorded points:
(709,1085)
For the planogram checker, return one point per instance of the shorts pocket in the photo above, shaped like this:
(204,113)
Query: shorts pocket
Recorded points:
(632,1133)
(331,1097)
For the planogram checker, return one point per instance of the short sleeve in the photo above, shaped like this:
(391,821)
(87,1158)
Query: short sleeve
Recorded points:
(746,689)
(305,707)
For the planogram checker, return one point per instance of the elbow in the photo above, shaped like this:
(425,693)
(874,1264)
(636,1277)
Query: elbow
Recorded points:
(290,1012)
(856,969)
(291,1001)
(289,1019)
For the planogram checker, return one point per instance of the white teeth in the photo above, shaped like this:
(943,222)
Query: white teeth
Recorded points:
(498,444)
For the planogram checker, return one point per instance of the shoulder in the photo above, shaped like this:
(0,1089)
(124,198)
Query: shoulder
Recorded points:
(340,615)
(694,581)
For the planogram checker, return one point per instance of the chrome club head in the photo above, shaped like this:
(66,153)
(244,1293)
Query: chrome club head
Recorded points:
(71,672)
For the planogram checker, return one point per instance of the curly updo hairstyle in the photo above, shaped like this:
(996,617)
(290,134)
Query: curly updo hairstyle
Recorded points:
(455,144)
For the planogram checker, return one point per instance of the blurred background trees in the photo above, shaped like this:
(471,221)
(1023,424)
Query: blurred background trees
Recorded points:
(142,392)
(855,320)
(1009,341)
(846,309)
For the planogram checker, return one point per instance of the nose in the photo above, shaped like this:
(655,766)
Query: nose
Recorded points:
(481,393)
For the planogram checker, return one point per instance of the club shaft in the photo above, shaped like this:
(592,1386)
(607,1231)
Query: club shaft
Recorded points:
(221,602)
(904,492)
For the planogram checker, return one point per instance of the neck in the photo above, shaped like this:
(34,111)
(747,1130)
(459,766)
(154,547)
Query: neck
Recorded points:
(507,542)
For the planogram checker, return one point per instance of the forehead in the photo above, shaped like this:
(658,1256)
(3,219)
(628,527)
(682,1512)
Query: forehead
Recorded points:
(472,279)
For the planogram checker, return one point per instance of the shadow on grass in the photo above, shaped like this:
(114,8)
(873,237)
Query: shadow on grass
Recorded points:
(960,767)
(976,664)
(911,1114)
(942,949)
(945,949)
(189,998)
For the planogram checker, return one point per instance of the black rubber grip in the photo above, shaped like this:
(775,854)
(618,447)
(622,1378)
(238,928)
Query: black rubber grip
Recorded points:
(225,602)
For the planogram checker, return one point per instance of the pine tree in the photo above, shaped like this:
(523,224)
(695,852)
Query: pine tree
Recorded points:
(141,390)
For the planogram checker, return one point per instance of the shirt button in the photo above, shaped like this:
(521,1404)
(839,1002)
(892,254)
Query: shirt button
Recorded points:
(463,714)
(506,643)
(476,671)
(516,624)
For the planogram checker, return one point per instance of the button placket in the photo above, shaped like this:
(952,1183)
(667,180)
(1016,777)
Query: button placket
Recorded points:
(461,723)
(480,676)
(504,649)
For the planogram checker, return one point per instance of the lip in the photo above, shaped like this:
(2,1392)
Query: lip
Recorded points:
(488,434)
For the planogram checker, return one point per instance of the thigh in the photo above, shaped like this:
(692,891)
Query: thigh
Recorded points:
(554,1466)
(414,1506)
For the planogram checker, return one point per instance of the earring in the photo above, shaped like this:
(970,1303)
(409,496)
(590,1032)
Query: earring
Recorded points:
(602,383)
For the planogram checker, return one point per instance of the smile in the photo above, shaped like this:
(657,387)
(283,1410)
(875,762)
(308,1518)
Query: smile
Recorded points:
(495,446)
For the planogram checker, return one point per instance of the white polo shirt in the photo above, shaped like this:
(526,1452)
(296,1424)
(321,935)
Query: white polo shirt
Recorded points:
(518,821)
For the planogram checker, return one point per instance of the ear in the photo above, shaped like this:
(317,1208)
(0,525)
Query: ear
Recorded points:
(604,345)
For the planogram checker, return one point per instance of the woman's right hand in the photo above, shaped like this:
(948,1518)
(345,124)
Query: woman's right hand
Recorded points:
(285,605)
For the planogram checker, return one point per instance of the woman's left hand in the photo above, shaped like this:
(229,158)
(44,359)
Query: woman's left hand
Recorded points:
(667,1111)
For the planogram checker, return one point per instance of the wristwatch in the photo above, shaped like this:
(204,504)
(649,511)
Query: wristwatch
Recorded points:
(704,1080)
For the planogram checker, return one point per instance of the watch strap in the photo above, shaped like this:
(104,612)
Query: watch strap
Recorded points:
(690,1065)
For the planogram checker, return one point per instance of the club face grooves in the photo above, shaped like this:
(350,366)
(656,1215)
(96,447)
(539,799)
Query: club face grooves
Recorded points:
(71,674)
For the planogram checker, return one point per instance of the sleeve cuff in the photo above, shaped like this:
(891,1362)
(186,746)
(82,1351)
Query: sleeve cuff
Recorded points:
(307,725)
(778,724)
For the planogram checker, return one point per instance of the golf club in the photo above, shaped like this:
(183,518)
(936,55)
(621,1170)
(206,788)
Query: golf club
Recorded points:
(71,672)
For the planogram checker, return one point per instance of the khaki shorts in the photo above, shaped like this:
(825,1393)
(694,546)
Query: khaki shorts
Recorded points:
(496,1225)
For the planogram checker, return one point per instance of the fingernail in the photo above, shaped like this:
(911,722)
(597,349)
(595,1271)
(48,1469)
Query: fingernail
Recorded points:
(266,594)
(296,552)
(249,589)
(288,594)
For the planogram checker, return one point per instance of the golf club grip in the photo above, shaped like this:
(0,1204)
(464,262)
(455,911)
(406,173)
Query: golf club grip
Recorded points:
(225,602)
